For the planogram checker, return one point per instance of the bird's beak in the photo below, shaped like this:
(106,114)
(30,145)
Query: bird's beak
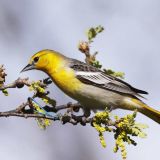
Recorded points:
(28,67)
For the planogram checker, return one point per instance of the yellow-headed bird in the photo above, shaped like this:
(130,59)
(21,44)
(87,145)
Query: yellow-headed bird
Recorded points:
(91,87)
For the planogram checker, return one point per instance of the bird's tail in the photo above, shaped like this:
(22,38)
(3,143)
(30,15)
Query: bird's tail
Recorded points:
(148,111)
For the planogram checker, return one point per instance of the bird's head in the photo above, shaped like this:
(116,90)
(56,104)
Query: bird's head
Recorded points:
(44,60)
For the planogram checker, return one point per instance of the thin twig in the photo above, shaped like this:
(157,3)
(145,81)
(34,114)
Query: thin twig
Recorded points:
(19,83)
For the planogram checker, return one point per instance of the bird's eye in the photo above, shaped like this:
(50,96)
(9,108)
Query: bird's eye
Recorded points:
(36,59)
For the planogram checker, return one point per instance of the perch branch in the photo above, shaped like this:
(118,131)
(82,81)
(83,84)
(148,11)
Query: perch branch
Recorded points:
(21,82)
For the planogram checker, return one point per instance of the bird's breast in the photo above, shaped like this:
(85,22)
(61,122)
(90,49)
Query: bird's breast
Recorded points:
(65,79)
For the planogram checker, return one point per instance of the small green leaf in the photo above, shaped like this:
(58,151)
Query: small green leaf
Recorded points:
(113,73)
(93,32)
(5,92)
(97,64)
(99,29)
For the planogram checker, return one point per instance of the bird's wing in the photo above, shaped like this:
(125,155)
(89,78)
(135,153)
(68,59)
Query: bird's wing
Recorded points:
(93,76)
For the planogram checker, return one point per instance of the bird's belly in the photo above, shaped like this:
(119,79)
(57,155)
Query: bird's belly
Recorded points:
(96,98)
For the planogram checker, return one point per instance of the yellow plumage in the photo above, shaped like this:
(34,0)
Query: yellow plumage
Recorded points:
(88,85)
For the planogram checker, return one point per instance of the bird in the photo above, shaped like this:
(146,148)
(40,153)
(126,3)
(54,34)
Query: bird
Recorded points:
(90,86)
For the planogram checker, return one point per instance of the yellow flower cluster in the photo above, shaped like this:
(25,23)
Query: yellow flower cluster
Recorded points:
(35,86)
(123,129)
(41,93)
(127,127)
(99,123)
